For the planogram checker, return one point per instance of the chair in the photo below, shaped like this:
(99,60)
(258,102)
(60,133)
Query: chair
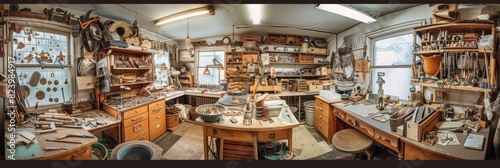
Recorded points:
(354,142)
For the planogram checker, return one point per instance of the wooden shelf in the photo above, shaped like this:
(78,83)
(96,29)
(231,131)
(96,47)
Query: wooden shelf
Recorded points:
(433,52)
(464,88)
(132,69)
(128,50)
(284,76)
(456,27)
(283,63)
(293,52)
(135,83)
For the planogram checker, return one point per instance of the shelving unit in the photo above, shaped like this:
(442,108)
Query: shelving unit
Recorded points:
(237,58)
(440,38)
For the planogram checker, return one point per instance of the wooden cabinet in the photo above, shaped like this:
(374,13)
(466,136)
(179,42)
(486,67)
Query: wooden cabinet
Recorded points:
(157,119)
(323,119)
(144,122)
(416,153)
(82,153)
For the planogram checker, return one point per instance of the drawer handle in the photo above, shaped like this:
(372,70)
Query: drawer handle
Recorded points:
(135,119)
(157,109)
(136,111)
(157,103)
(320,108)
(142,138)
(137,127)
(214,132)
(320,126)
(157,117)
(272,135)
(320,116)
(79,155)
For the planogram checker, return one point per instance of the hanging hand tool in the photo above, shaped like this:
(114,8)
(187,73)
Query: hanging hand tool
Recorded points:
(486,68)
(63,141)
(54,148)
(74,135)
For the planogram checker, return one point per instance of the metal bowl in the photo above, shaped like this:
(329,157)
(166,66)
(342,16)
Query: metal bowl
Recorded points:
(210,112)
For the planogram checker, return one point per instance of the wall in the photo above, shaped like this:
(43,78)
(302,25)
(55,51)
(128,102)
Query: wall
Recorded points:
(416,13)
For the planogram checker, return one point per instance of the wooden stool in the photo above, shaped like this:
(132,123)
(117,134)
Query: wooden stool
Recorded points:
(353,141)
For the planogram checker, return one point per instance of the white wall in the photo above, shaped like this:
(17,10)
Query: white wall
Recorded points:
(420,12)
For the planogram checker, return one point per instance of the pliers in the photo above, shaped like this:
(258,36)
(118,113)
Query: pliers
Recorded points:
(74,135)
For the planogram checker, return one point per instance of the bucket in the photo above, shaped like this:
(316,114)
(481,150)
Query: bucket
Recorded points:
(172,119)
(309,108)
(109,144)
(100,151)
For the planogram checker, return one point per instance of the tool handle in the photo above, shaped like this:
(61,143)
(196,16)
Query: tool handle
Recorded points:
(62,137)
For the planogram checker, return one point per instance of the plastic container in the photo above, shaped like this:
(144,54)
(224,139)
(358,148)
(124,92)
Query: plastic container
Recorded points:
(330,95)
(309,107)
(100,151)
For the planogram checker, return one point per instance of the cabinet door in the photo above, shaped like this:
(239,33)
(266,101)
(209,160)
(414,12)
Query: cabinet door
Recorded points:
(157,128)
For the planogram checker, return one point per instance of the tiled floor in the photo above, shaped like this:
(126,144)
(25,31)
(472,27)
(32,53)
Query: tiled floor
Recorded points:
(331,154)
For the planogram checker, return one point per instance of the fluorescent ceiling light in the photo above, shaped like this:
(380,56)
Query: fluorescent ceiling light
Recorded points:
(255,13)
(204,11)
(347,12)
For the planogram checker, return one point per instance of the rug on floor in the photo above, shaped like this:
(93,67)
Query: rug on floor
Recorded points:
(188,147)
(168,141)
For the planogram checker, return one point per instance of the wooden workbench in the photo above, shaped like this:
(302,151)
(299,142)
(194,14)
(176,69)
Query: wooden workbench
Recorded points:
(407,149)
(242,139)
(75,151)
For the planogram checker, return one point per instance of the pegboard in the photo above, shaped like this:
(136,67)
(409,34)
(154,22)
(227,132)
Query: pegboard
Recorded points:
(60,79)
(52,43)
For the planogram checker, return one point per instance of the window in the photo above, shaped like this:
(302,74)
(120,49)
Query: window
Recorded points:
(393,55)
(205,60)
(162,66)
(54,80)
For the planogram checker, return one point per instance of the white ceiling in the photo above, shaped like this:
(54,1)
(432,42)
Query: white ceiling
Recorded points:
(291,18)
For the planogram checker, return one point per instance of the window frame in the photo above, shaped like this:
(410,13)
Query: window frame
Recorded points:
(72,53)
(211,49)
(372,41)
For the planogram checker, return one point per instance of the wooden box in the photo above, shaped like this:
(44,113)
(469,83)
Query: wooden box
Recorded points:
(267,88)
(306,58)
(416,131)
(301,85)
(314,88)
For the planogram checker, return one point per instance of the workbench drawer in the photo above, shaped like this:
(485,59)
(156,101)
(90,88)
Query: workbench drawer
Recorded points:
(157,116)
(338,113)
(157,128)
(155,106)
(321,126)
(144,135)
(322,113)
(135,129)
(84,153)
(415,153)
(241,136)
(323,104)
(214,132)
(267,136)
(135,119)
(134,112)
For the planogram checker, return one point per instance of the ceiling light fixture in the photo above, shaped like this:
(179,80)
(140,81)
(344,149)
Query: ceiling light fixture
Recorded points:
(194,13)
(347,12)
(255,11)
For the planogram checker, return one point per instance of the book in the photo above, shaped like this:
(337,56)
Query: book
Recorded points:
(474,141)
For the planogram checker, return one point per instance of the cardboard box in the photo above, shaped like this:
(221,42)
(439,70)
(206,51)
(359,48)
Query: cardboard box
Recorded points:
(314,88)
(324,70)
